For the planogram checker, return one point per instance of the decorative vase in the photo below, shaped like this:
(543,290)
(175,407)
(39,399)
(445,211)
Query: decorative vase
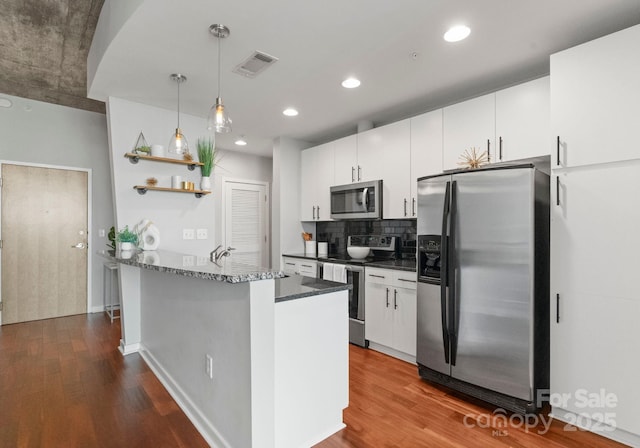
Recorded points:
(124,246)
(205,183)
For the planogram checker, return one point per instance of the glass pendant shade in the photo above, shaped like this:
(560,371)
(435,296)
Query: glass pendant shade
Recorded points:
(178,143)
(218,119)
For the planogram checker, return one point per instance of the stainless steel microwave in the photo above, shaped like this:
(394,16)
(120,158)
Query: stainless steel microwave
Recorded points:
(357,201)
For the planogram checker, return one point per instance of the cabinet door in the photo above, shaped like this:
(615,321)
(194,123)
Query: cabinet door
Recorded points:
(426,150)
(346,160)
(595,93)
(385,153)
(594,271)
(289,266)
(324,165)
(467,125)
(405,320)
(308,185)
(378,313)
(523,118)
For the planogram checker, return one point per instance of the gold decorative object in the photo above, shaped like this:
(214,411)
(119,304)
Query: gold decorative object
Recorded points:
(307,236)
(473,159)
(188,157)
(152,181)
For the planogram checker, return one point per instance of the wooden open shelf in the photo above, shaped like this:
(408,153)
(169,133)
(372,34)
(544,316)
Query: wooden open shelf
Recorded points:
(142,189)
(191,164)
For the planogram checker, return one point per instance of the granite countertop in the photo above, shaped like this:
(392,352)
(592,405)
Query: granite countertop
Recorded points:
(226,270)
(400,265)
(298,286)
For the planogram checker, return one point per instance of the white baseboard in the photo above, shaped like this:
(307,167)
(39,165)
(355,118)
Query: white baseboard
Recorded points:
(128,349)
(193,413)
(392,352)
(619,435)
(97,309)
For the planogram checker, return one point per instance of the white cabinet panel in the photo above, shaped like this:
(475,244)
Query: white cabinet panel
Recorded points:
(346,160)
(316,173)
(299,266)
(523,126)
(595,93)
(467,125)
(378,314)
(594,268)
(426,150)
(405,320)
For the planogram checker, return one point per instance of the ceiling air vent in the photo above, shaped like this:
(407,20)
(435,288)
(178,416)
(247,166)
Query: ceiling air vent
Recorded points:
(255,64)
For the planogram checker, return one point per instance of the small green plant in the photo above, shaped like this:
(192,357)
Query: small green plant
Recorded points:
(127,236)
(112,238)
(207,155)
(143,149)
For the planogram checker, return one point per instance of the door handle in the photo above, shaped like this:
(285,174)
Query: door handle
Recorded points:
(314,212)
(489,150)
(359,172)
(318,212)
(395,299)
(353,174)
(413,207)
(500,149)
(387,297)
(80,246)
(558,150)
(405,206)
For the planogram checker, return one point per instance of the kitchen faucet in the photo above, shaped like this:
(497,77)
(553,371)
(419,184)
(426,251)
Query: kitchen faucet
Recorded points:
(215,255)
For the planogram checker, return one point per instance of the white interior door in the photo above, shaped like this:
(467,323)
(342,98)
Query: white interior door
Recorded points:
(44,242)
(246,222)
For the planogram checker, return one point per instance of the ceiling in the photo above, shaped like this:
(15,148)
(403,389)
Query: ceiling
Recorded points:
(394,47)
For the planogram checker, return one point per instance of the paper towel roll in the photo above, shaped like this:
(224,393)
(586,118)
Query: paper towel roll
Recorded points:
(310,248)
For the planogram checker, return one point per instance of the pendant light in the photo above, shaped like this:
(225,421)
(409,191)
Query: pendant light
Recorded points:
(218,119)
(178,143)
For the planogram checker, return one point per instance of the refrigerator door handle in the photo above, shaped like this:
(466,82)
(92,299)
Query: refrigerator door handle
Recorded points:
(451,268)
(444,278)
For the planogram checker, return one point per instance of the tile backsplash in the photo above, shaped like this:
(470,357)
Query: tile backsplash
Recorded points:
(336,232)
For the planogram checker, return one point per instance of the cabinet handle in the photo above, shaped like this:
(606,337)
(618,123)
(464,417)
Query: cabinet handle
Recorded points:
(500,148)
(413,207)
(405,280)
(318,212)
(387,297)
(359,169)
(405,206)
(395,299)
(314,212)
(488,150)
(557,308)
(290,264)
(558,150)
(558,191)
(353,174)
(306,266)
(376,276)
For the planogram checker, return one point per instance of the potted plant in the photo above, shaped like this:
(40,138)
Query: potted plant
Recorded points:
(207,156)
(127,239)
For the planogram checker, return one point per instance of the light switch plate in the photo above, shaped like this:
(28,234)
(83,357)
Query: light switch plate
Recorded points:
(202,234)
(188,234)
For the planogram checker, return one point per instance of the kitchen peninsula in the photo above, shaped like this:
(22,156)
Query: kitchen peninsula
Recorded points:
(253,358)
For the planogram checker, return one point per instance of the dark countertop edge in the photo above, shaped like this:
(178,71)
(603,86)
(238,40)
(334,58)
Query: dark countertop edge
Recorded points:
(326,288)
(227,278)
(371,264)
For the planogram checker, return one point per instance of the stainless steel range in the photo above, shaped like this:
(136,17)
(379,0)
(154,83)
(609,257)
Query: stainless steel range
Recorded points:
(380,248)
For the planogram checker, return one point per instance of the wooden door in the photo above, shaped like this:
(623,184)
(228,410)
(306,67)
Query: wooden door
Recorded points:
(44,218)
(246,222)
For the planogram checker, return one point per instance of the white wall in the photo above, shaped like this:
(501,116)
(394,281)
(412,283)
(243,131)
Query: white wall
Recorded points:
(171,212)
(287,229)
(43,133)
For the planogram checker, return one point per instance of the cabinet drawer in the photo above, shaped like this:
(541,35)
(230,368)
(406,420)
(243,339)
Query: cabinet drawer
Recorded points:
(379,276)
(308,268)
(405,279)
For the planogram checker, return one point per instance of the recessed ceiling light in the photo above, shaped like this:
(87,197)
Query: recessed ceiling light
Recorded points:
(350,83)
(290,112)
(457,33)
(241,142)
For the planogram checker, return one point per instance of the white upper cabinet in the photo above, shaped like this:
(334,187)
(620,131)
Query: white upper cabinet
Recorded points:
(316,174)
(596,87)
(523,127)
(426,150)
(467,125)
(385,153)
(346,160)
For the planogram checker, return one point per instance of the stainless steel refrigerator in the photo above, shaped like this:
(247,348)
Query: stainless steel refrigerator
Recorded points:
(483,283)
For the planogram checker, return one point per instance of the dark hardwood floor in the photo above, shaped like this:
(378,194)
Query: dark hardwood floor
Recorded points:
(63,383)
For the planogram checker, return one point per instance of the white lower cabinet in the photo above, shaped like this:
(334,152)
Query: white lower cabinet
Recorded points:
(390,312)
(299,266)
(595,298)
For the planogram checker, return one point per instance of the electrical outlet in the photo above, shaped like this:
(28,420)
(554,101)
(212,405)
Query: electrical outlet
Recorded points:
(188,260)
(208,368)
(188,234)
(202,234)
(101,233)
(202,261)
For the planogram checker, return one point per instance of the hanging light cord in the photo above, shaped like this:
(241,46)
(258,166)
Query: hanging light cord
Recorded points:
(219,58)
(179,81)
